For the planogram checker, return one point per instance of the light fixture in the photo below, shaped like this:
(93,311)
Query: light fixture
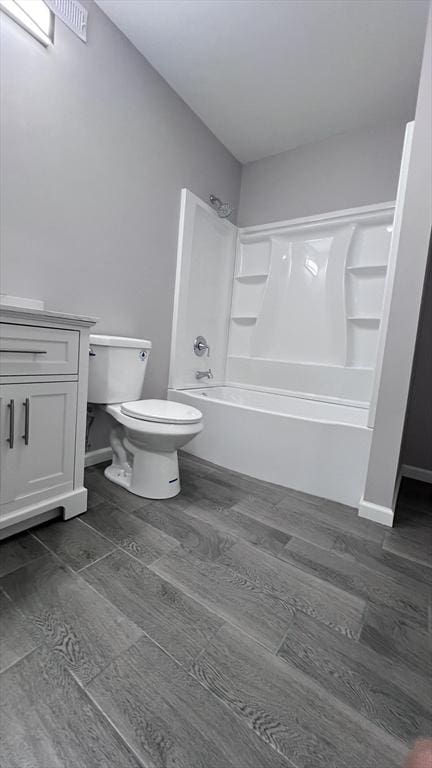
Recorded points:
(33,15)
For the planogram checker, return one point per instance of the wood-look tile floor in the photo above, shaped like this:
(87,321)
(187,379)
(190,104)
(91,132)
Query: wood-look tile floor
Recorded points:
(238,625)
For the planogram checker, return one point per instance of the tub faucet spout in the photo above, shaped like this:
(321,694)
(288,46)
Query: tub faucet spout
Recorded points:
(204,374)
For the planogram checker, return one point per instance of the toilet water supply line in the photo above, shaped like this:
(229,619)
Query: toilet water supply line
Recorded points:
(119,450)
(90,419)
(90,413)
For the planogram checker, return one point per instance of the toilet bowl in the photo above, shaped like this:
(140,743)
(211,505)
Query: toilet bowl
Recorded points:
(145,445)
(145,434)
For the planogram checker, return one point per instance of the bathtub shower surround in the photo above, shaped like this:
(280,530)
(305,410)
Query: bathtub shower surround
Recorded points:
(307,303)
(291,312)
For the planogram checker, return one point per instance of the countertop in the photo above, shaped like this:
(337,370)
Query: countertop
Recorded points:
(10,313)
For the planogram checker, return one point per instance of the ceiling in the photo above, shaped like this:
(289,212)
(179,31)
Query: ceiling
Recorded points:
(268,75)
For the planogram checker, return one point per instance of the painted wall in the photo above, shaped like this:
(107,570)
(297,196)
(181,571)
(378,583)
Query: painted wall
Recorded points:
(95,150)
(404,313)
(343,171)
(417,443)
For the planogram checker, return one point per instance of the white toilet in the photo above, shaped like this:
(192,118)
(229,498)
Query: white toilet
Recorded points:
(146,434)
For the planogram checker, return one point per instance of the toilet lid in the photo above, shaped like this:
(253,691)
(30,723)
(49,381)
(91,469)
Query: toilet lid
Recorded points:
(164,411)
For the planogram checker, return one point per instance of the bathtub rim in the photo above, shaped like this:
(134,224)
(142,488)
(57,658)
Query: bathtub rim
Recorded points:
(360,404)
(193,392)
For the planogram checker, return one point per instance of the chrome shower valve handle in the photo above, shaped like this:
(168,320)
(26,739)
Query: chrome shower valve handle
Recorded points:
(200,346)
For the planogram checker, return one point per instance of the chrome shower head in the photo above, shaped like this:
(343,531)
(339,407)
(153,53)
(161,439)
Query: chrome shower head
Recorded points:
(223,210)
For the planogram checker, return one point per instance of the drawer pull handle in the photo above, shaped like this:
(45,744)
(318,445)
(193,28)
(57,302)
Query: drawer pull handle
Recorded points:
(10,439)
(26,405)
(26,351)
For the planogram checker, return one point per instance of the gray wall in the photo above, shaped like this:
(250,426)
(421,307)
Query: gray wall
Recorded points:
(417,443)
(95,150)
(343,171)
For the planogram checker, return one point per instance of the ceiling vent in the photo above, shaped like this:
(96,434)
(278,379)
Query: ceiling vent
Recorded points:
(73,14)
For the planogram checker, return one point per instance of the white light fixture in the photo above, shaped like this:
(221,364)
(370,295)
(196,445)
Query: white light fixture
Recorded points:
(33,15)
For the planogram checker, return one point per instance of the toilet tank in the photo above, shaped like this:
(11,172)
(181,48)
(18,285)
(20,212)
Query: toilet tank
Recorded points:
(117,367)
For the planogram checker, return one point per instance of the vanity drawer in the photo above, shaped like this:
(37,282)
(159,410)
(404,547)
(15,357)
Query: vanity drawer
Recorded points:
(28,350)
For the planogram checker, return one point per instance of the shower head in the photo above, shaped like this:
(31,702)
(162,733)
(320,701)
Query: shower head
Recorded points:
(223,210)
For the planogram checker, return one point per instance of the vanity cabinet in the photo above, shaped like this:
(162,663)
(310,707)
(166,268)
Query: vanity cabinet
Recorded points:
(43,398)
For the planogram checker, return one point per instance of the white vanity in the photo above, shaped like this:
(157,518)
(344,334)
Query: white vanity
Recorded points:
(43,399)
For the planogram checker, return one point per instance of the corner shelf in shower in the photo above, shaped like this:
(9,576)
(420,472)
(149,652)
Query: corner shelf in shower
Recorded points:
(365,268)
(372,319)
(252,278)
(244,318)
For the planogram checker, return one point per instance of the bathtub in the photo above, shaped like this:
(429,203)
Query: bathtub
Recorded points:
(316,447)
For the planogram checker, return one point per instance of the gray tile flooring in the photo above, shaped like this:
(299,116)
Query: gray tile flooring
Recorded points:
(239,625)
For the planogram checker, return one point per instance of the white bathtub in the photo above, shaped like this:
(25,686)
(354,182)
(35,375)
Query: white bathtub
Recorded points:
(316,447)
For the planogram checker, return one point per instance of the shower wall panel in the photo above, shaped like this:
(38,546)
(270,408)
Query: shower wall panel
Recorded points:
(307,303)
(205,266)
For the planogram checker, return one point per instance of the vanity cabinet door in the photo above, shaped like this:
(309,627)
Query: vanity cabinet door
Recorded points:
(37,442)
(8,452)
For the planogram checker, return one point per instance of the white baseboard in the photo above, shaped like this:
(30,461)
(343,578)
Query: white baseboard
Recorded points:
(97,456)
(385,515)
(375,512)
(416,473)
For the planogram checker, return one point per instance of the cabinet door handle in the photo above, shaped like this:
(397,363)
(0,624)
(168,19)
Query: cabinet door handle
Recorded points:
(10,439)
(26,405)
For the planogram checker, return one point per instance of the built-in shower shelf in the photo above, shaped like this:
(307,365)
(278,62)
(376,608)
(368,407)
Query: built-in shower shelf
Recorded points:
(373,268)
(244,318)
(371,319)
(253,277)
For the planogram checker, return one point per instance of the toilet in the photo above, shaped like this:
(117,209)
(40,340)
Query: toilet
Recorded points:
(145,434)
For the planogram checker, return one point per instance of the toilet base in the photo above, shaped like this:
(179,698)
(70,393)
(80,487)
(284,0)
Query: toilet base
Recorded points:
(153,474)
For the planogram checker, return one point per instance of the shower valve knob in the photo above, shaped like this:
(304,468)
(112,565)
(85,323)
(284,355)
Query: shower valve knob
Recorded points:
(200,346)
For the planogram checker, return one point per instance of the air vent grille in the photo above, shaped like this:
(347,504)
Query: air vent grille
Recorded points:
(73,14)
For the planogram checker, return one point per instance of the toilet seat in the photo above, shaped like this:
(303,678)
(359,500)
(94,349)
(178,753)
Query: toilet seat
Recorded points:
(161,411)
